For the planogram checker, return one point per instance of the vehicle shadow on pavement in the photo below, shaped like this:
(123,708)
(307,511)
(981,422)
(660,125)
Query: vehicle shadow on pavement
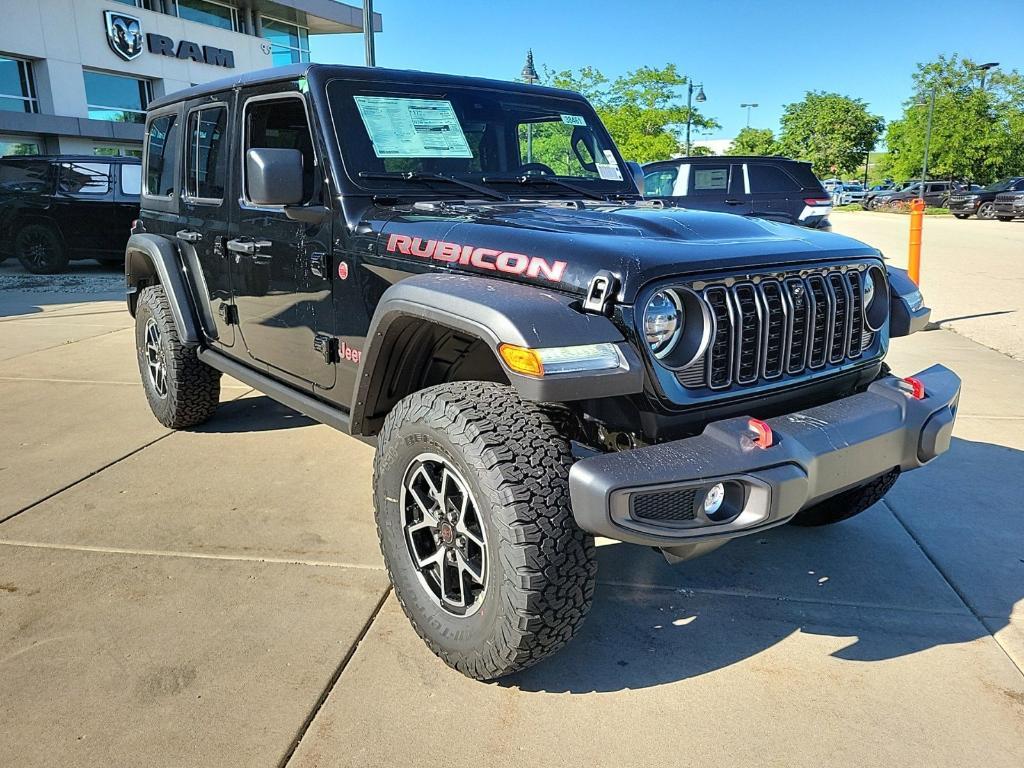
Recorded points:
(22,293)
(253,414)
(873,588)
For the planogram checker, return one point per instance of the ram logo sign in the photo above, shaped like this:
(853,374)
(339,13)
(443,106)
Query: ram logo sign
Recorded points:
(124,34)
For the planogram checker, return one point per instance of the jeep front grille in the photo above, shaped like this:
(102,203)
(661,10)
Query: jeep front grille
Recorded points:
(764,328)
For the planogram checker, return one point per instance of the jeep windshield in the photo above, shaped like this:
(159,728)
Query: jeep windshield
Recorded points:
(416,139)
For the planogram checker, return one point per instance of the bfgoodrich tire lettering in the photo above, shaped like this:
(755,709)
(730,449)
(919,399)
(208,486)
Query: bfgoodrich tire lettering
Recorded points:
(845,505)
(541,570)
(182,391)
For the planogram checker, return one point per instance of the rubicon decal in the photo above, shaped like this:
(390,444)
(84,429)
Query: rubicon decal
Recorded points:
(482,258)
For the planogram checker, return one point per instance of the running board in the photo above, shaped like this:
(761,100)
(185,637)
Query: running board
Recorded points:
(317,410)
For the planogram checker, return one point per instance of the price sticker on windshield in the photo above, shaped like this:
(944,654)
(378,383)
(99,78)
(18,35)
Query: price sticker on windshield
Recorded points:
(574,120)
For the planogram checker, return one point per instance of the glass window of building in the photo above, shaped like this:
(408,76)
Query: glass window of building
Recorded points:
(208,12)
(18,146)
(111,150)
(17,93)
(149,5)
(116,98)
(289,42)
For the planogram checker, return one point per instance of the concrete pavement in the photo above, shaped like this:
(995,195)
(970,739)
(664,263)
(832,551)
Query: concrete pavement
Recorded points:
(216,597)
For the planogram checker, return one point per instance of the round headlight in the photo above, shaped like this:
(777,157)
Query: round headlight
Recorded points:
(869,289)
(663,319)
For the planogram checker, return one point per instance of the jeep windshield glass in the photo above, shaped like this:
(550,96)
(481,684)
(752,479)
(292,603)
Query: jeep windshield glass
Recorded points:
(408,138)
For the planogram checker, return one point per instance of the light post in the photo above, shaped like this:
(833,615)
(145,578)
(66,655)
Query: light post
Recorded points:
(927,142)
(529,75)
(690,98)
(748,107)
(984,68)
(371,57)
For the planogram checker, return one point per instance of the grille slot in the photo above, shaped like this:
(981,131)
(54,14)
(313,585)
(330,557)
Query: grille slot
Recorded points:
(765,328)
(663,506)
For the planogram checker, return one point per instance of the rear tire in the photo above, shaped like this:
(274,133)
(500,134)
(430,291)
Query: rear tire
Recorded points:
(521,581)
(1005,218)
(40,249)
(961,215)
(182,390)
(845,505)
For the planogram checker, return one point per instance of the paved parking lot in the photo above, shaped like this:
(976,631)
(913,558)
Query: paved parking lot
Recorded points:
(216,596)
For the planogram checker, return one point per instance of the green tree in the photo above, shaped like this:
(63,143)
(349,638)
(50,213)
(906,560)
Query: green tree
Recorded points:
(976,134)
(754,141)
(832,131)
(644,110)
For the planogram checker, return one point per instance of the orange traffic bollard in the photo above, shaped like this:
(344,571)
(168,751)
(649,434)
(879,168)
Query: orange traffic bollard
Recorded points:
(916,222)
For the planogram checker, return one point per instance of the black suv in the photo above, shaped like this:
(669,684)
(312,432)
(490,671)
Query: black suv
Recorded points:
(1009,205)
(936,194)
(982,203)
(463,272)
(54,208)
(773,188)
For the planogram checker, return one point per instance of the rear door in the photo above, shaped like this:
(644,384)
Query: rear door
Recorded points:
(935,193)
(712,186)
(84,205)
(774,193)
(281,269)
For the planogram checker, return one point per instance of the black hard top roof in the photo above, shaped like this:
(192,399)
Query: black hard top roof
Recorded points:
(70,159)
(328,71)
(721,158)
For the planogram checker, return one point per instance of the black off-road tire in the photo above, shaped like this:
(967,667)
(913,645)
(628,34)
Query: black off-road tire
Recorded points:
(845,505)
(40,249)
(961,215)
(541,569)
(191,387)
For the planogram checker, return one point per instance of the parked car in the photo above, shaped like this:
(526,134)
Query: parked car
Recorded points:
(830,184)
(982,203)
(539,355)
(935,194)
(1010,205)
(54,208)
(848,192)
(774,188)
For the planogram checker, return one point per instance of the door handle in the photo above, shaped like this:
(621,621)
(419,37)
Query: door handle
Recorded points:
(188,235)
(731,201)
(250,248)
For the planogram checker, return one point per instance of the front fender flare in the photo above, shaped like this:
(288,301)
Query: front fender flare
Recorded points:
(151,259)
(496,312)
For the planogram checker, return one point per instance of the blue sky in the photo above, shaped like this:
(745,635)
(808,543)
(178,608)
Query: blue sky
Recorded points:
(743,51)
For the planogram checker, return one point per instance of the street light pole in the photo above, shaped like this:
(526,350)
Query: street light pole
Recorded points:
(984,69)
(689,107)
(748,107)
(529,75)
(927,142)
(371,57)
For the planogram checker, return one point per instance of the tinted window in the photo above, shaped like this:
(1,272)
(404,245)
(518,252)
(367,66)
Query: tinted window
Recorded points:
(207,153)
(660,183)
(282,125)
(769,178)
(24,177)
(85,178)
(131,179)
(162,143)
(709,180)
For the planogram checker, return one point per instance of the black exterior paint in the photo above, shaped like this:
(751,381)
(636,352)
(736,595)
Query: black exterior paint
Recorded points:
(90,225)
(282,305)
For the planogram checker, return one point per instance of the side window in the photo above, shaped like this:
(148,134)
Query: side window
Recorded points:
(770,178)
(660,183)
(282,124)
(131,179)
(161,156)
(206,158)
(710,179)
(85,178)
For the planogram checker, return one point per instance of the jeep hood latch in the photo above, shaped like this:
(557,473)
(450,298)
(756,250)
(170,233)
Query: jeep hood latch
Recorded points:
(601,293)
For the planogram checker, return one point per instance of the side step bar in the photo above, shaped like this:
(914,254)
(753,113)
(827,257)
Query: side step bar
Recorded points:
(317,410)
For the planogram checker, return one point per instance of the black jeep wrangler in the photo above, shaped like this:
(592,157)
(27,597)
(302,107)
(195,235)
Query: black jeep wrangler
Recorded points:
(465,273)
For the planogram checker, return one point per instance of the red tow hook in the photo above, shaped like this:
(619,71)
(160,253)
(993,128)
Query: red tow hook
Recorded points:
(760,433)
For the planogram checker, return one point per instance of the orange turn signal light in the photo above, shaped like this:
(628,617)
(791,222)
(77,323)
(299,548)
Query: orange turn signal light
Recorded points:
(760,433)
(521,359)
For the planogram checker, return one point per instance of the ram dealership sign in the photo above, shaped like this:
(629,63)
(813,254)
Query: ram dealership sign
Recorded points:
(124,33)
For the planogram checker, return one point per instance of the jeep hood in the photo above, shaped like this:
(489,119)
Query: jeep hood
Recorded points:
(563,245)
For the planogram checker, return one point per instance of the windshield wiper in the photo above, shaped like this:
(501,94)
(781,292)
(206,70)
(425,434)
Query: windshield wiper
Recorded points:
(533,180)
(423,177)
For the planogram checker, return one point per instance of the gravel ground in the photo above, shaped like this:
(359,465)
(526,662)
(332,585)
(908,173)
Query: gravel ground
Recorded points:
(84,277)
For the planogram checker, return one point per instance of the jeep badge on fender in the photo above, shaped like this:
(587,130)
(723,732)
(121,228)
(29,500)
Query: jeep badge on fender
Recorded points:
(465,273)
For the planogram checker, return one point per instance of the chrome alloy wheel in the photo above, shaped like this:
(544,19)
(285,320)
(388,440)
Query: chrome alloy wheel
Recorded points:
(445,534)
(156,358)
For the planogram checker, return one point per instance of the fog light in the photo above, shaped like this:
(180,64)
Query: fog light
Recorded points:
(714,498)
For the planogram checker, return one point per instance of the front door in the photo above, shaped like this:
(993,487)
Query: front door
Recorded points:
(281,269)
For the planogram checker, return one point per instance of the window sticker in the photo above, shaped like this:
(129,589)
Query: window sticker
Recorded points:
(573,120)
(609,172)
(412,127)
(715,178)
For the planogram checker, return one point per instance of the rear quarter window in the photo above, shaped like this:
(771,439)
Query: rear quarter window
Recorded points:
(131,179)
(161,156)
(770,178)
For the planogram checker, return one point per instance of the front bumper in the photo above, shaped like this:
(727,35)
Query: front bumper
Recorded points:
(816,453)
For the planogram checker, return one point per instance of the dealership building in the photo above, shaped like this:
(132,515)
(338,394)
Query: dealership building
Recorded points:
(76,76)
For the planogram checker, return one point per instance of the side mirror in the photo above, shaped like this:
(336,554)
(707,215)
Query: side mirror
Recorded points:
(638,174)
(274,176)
